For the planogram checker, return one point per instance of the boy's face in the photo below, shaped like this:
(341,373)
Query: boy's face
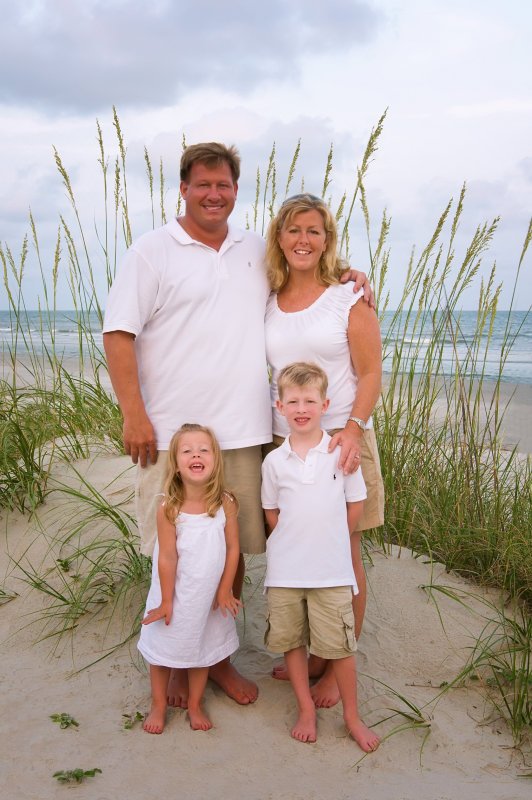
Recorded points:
(302,406)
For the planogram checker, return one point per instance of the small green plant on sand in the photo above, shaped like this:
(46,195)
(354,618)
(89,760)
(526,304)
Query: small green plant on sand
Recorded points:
(64,720)
(130,719)
(75,775)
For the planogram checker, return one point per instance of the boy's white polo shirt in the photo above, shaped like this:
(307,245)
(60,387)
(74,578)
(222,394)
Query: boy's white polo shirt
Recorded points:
(310,546)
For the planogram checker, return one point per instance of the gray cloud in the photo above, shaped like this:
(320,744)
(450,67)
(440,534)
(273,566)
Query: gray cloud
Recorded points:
(84,55)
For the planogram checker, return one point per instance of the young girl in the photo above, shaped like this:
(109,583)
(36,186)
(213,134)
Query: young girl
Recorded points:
(187,624)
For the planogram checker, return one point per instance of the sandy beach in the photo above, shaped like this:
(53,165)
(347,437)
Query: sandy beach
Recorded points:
(249,751)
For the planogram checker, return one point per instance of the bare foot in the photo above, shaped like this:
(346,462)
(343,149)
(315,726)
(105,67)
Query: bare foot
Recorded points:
(198,720)
(316,668)
(363,736)
(178,689)
(233,683)
(325,692)
(305,728)
(154,722)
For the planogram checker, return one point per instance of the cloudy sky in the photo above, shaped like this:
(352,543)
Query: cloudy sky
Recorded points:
(455,76)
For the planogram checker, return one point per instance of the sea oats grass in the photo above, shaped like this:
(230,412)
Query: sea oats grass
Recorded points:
(452,491)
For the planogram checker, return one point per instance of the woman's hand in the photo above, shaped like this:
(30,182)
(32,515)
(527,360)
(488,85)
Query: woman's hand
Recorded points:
(349,440)
(162,611)
(226,602)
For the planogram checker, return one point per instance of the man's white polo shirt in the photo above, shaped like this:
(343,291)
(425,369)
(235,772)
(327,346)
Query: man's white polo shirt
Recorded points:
(310,546)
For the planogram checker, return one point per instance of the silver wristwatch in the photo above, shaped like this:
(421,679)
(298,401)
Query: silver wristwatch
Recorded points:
(360,422)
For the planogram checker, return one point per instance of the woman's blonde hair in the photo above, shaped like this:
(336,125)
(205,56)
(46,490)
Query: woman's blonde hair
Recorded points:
(174,489)
(330,267)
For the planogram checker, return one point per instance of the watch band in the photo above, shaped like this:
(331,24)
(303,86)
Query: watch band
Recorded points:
(360,422)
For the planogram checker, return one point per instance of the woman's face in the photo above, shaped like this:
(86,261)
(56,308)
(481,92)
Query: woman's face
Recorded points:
(303,240)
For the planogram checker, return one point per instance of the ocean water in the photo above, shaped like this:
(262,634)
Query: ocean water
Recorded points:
(515,328)
(517,367)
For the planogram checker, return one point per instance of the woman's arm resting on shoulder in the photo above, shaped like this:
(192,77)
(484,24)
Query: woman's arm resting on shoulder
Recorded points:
(224,596)
(365,347)
(361,282)
(138,433)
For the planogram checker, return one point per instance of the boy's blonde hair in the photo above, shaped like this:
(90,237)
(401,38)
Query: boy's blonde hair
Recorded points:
(302,373)
(330,267)
(174,489)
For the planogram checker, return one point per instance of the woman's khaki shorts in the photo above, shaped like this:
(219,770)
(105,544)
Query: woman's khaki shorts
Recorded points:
(320,618)
(242,470)
(373,509)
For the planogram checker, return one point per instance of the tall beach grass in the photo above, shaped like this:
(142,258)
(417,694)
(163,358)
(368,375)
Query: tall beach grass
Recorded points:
(452,491)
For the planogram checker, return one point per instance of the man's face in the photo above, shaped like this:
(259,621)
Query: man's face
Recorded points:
(209,196)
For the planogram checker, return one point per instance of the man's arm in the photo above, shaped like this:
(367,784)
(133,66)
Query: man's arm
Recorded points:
(138,433)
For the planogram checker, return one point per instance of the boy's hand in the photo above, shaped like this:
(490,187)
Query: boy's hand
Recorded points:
(361,282)
(349,441)
(227,602)
(164,610)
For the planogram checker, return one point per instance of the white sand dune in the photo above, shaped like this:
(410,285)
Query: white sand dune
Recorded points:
(249,752)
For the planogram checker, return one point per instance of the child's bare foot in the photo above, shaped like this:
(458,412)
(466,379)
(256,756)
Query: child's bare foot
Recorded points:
(363,736)
(305,728)
(233,683)
(325,692)
(178,689)
(198,720)
(154,722)
(316,668)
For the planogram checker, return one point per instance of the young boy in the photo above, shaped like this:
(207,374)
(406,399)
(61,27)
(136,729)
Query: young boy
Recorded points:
(309,575)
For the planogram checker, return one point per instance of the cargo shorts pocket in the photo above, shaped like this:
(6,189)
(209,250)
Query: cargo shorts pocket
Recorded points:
(349,628)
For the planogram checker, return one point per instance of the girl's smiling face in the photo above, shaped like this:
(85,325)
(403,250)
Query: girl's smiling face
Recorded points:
(195,457)
(303,240)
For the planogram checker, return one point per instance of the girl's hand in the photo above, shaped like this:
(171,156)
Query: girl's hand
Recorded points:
(162,611)
(227,602)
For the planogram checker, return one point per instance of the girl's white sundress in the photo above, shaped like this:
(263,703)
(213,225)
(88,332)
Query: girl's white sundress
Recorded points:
(197,636)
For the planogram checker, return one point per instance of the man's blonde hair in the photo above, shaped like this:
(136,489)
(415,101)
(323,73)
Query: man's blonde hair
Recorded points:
(211,154)
(302,373)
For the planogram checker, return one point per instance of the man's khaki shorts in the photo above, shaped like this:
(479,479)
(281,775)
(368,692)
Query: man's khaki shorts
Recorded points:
(242,470)
(320,618)
(373,509)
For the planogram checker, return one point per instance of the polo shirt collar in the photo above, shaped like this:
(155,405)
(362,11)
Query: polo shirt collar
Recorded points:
(321,447)
(176,230)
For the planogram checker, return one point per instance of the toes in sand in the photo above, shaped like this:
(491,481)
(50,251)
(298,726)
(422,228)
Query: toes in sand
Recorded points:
(154,722)
(363,736)
(305,728)
(198,720)
(325,692)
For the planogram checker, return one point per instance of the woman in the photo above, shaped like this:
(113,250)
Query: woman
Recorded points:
(311,316)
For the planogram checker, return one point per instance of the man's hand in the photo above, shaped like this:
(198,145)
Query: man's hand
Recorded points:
(139,441)
(361,282)
(349,441)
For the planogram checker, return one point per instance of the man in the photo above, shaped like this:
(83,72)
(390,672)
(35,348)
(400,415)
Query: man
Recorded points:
(184,339)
